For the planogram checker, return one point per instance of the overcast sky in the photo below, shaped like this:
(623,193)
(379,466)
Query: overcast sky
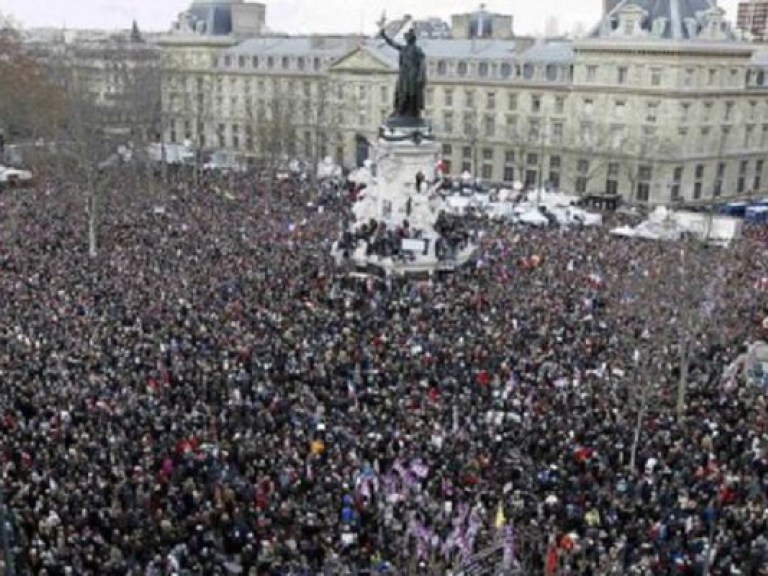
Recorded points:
(296,16)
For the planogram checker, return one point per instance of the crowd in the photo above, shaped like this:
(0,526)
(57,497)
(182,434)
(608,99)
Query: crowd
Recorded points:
(210,395)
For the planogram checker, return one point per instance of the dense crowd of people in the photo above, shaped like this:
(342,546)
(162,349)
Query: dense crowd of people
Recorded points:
(209,395)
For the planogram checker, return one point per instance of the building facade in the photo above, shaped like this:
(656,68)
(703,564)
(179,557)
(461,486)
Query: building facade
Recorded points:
(117,72)
(661,102)
(752,16)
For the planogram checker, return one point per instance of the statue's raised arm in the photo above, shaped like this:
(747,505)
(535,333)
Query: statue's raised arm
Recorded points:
(389,40)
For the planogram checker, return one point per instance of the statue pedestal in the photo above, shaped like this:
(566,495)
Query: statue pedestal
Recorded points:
(406,213)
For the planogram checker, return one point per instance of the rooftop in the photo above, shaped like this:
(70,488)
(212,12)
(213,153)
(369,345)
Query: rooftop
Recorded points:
(700,20)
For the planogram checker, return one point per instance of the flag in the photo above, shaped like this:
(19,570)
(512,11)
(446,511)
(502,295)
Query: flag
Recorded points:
(552,561)
(501,519)
(509,547)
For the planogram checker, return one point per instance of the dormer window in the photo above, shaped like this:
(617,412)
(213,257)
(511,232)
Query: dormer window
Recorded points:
(462,69)
(630,21)
(442,67)
(551,72)
(528,71)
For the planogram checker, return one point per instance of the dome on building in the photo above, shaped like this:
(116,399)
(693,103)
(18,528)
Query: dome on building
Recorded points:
(213,17)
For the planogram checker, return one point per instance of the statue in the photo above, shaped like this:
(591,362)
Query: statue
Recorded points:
(412,81)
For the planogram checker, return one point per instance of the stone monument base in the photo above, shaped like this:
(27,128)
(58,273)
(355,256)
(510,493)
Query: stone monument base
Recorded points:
(395,217)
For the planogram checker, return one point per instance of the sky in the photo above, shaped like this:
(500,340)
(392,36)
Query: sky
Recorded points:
(302,16)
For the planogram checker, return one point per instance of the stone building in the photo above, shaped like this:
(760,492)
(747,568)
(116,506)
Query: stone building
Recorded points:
(661,102)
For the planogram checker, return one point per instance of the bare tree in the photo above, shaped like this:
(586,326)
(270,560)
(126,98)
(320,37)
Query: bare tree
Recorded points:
(30,101)
(321,120)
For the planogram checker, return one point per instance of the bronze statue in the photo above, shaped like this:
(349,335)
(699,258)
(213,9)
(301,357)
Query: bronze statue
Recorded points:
(412,81)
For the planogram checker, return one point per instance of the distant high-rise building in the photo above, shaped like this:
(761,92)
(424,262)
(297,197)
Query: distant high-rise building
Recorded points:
(752,17)
(552,29)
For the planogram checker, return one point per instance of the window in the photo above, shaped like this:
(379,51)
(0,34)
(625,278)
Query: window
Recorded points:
(711,76)
(235,136)
(591,73)
(617,135)
(490,101)
(557,132)
(270,62)
(612,182)
(559,105)
(227,61)
(535,104)
(582,166)
(677,178)
(589,107)
(555,162)
(534,129)
(685,108)
(581,184)
(509,174)
(442,67)
(619,107)
(655,77)
(469,121)
(696,190)
(301,63)
(629,27)
(488,154)
(528,71)
(505,70)
(532,159)
(448,97)
(749,132)
(466,152)
(688,77)
(462,69)
(490,126)
(430,96)
(554,180)
(623,72)
(285,63)
(469,98)
(728,111)
(316,64)
(551,72)
(512,102)
(448,121)
(652,109)
(482,70)
(447,150)
(241,61)
(643,191)
(509,157)
(511,125)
